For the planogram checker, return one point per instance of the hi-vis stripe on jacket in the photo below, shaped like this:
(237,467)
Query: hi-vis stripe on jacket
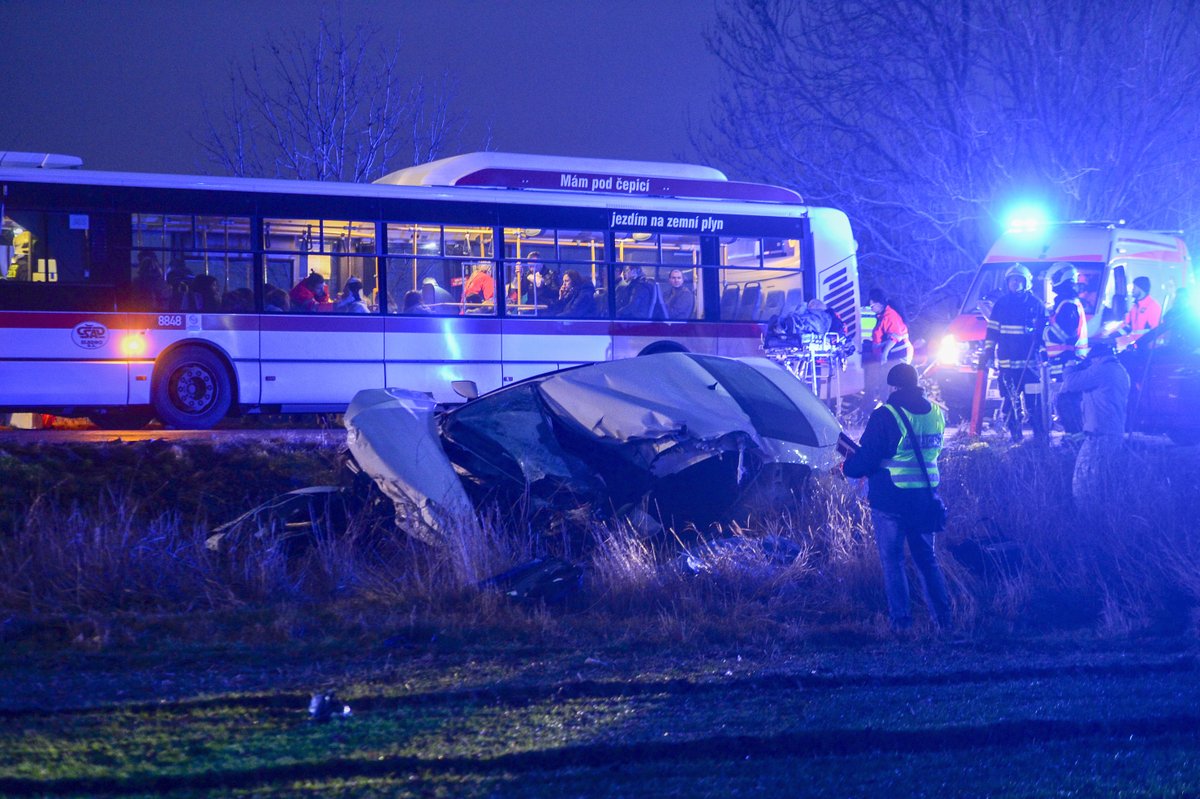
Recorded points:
(1066,335)
(929,428)
(1015,325)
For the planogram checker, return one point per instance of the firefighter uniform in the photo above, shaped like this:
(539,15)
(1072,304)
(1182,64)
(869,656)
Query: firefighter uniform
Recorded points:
(1014,333)
(1066,344)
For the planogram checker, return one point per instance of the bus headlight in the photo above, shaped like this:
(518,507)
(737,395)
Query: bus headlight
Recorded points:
(133,344)
(951,351)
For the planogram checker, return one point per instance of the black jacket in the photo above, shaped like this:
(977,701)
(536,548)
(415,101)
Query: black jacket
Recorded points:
(878,444)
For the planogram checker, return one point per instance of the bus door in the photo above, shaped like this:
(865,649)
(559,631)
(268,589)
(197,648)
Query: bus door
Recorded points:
(60,345)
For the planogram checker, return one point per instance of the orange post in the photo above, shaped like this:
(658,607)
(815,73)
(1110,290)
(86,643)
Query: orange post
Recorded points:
(977,401)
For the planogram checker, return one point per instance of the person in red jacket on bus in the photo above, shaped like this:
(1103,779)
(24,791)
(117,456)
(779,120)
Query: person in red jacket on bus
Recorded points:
(309,293)
(480,288)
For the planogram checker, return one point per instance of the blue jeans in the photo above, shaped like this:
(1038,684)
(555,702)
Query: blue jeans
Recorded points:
(890,536)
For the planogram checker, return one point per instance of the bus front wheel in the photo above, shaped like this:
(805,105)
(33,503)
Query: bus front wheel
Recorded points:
(192,389)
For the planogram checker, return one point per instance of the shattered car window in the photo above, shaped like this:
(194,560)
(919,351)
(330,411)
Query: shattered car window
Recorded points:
(773,414)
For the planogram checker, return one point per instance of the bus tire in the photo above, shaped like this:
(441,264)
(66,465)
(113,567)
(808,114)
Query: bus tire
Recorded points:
(192,389)
(134,417)
(662,346)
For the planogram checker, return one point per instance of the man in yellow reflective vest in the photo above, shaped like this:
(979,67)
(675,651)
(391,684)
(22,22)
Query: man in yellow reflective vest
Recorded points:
(902,493)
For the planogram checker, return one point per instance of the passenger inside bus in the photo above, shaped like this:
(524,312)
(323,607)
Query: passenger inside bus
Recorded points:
(480,288)
(275,300)
(576,297)
(149,285)
(179,282)
(205,295)
(238,301)
(680,300)
(635,294)
(414,303)
(351,300)
(309,293)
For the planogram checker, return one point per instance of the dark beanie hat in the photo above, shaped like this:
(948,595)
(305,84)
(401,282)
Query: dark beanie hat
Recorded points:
(876,295)
(1142,282)
(902,375)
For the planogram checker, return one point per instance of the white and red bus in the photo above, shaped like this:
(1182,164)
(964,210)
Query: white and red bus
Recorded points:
(126,296)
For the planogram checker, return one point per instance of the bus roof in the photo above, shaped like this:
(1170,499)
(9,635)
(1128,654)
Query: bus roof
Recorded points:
(445,171)
(537,180)
(587,176)
(13,158)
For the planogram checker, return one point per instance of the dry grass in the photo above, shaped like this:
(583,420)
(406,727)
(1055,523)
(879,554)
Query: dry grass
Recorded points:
(1130,567)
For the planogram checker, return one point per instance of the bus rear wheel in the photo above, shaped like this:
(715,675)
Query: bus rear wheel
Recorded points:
(192,389)
(662,346)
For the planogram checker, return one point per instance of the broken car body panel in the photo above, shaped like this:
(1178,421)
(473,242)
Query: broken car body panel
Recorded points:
(605,435)
(393,437)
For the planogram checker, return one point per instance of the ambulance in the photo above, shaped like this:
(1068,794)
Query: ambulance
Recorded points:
(1108,256)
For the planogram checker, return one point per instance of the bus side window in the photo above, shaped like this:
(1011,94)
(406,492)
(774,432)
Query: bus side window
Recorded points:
(23,244)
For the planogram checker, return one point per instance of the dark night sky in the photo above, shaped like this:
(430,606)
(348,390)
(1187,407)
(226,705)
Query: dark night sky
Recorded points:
(122,84)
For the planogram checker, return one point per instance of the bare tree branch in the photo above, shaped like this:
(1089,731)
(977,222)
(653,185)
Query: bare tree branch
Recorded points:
(331,105)
(922,119)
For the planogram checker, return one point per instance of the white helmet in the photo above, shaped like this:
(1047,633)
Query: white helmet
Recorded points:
(1021,271)
(1064,273)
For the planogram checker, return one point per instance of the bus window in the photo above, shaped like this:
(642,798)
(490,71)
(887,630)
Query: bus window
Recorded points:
(757,275)
(179,262)
(53,261)
(299,250)
(430,266)
(223,233)
(23,245)
(679,277)
(162,232)
(669,265)
(559,273)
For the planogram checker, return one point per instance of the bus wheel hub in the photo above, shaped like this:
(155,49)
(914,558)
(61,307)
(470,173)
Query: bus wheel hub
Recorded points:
(194,388)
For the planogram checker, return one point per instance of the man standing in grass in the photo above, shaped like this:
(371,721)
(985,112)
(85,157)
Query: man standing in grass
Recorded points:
(1104,384)
(898,455)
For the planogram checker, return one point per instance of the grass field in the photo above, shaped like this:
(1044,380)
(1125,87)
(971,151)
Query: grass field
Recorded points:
(1056,717)
(135,662)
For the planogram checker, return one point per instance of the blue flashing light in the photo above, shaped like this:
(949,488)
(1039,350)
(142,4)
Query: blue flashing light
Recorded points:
(1027,219)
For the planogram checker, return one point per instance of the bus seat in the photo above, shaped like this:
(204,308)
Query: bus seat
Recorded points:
(729,300)
(773,305)
(750,303)
(794,301)
(600,311)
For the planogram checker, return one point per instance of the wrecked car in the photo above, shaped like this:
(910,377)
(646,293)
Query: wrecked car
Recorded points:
(685,437)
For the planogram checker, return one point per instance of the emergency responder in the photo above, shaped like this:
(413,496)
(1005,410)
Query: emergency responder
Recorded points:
(1144,313)
(889,346)
(902,492)
(1014,336)
(1066,343)
(1104,384)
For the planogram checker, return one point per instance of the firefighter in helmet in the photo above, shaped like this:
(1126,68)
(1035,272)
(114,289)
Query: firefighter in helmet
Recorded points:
(1066,342)
(1014,340)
